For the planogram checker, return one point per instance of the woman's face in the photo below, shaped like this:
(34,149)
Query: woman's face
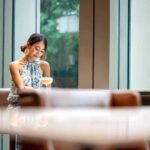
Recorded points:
(36,50)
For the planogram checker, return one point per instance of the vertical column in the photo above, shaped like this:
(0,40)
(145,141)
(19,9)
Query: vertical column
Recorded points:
(37,16)
(5,30)
(86,44)
(124,45)
(119,44)
(7,51)
(114,44)
(1,39)
(101,42)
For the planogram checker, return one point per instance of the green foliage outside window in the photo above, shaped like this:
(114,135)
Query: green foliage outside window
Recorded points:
(60,45)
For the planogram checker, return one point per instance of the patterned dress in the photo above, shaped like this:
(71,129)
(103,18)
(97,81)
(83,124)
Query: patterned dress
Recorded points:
(31,74)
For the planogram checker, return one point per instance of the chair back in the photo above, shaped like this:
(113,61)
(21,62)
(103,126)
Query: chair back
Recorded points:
(3,96)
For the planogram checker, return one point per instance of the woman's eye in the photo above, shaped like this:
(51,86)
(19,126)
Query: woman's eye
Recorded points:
(37,49)
(42,51)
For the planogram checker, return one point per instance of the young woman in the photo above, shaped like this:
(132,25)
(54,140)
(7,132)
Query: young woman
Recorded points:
(27,72)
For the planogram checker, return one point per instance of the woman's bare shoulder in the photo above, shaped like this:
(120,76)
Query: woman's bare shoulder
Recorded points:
(43,63)
(14,64)
(45,68)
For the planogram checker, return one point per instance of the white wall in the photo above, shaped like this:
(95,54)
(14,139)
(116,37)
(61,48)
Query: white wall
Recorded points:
(140,45)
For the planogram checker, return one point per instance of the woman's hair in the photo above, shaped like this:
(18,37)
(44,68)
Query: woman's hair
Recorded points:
(34,38)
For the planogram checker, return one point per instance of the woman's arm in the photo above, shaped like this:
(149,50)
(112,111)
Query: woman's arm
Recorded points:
(45,68)
(14,70)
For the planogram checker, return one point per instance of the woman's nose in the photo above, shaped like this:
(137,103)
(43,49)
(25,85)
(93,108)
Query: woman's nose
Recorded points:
(38,52)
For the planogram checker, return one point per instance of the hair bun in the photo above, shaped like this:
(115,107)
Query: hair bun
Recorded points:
(23,47)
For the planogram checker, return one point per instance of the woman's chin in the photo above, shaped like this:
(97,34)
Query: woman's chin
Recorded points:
(34,58)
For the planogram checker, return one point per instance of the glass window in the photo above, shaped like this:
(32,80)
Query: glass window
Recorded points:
(59,21)
(139,45)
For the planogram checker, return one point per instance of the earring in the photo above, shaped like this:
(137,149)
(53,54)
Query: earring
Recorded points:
(26,52)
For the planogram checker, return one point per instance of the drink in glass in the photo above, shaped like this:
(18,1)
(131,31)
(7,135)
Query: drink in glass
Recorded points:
(46,81)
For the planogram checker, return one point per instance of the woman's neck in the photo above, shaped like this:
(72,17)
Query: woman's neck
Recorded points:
(27,59)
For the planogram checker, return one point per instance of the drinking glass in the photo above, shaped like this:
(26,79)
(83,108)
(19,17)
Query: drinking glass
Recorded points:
(46,81)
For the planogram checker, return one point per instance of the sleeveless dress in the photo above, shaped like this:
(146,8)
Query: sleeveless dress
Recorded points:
(31,75)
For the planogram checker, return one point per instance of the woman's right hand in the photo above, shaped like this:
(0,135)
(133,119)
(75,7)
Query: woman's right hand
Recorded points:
(27,89)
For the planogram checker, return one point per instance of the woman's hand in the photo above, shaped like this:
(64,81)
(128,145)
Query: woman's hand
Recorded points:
(26,89)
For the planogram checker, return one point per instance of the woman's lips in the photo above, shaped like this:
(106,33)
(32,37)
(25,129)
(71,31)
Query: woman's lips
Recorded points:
(35,56)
